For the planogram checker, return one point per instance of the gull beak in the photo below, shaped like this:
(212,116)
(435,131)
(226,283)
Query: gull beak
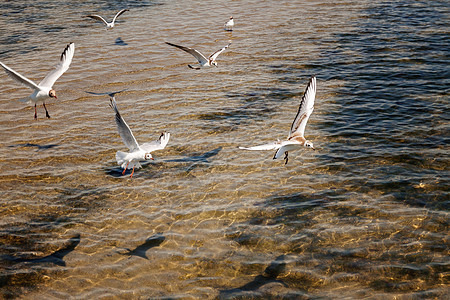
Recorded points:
(313,148)
(152,158)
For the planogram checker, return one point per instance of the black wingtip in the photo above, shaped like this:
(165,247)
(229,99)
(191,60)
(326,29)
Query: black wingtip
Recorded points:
(111,102)
(65,50)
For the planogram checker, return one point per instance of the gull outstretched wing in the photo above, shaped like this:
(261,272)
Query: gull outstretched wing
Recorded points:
(60,68)
(200,57)
(19,78)
(305,109)
(97,17)
(124,130)
(215,54)
(118,14)
(157,145)
(271,146)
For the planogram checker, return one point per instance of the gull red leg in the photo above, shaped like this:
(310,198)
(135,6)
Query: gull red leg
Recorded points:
(124,170)
(46,111)
(132,172)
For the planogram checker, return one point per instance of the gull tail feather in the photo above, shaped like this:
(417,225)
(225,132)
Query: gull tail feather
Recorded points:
(26,100)
(120,157)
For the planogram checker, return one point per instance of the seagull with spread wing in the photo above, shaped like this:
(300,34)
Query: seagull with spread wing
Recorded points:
(296,137)
(203,62)
(44,90)
(130,160)
(108,25)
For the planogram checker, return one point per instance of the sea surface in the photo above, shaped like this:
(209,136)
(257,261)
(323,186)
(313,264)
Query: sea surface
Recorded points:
(365,216)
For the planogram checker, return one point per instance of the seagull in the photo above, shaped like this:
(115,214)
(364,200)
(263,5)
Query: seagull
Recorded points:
(229,25)
(296,137)
(202,60)
(137,153)
(44,90)
(108,25)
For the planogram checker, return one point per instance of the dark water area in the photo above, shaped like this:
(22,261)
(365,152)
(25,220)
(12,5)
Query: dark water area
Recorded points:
(365,216)
(397,112)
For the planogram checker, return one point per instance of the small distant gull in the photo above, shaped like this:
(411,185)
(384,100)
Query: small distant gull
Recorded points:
(137,153)
(203,62)
(296,137)
(229,25)
(44,90)
(108,25)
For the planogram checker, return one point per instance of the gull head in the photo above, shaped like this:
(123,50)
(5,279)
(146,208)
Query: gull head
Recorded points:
(52,94)
(148,156)
(214,63)
(309,144)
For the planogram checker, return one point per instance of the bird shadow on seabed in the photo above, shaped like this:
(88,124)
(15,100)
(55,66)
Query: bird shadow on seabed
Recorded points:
(192,160)
(197,158)
(120,42)
(153,241)
(56,257)
(38,147)
(250,289)
(21,273)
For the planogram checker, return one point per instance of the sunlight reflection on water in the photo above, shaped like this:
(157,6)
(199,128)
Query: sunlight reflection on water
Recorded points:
(364,215)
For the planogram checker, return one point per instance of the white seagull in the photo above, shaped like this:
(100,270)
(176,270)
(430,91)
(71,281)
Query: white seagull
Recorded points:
(108,25)
(203,62)
(44,90)
(296,137)
(137,153)
(229,25)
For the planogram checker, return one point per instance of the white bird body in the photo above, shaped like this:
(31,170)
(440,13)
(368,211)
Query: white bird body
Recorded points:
(203,62)
(296,139)
(109,25)
(44,90)
(138,153)
(38,95)
(130,160)
(229,25)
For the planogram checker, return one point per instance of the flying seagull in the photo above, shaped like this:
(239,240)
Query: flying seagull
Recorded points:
(137,153)
(44,90)
(108,25)
(296,137)
(203,62)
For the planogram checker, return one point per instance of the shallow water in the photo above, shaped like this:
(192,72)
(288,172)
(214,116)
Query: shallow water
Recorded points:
(364,216)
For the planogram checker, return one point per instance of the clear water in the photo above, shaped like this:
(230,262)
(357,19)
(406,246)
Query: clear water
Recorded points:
(364,216)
